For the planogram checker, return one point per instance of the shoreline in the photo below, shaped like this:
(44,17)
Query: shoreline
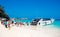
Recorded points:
(29,31)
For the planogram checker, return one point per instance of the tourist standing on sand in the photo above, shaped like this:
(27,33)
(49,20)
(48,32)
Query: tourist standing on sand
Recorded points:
(2,22)
(5,23)
(9,22)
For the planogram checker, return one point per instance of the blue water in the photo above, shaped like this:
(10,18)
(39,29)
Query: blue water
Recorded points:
(57,23)
(23,20)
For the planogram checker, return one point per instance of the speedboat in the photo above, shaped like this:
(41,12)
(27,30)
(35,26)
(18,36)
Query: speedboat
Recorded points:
(45,21)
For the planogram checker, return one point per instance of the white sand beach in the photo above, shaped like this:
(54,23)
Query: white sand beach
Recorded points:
(29,31)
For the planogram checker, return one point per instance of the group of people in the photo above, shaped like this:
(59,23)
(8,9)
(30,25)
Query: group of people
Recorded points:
(10,23)
(6,23)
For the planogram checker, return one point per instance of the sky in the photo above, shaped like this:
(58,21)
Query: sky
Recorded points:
(32,8)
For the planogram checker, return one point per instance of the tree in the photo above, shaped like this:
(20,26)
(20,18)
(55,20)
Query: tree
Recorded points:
(3,14)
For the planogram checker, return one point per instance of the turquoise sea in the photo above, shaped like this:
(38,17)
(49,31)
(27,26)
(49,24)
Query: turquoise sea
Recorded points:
(57,23)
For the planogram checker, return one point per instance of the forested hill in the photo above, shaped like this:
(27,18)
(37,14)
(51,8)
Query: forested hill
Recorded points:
(3,14)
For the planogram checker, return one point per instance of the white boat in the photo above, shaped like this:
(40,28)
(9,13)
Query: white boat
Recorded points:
(45,22)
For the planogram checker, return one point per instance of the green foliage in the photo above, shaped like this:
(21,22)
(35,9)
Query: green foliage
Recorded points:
(3,14)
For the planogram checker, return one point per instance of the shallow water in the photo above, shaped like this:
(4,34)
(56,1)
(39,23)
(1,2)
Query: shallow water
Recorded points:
(57,23)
